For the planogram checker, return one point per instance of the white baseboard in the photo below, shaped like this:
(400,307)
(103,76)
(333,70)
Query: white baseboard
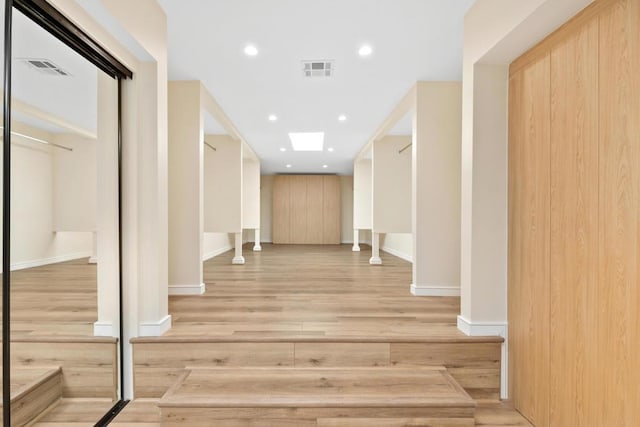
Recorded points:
(501,329)
(217,252)
(434,291)
(53,260)
(347,242)
(93,260)
(397,253)
(187,289)
(155,329)
(103,329)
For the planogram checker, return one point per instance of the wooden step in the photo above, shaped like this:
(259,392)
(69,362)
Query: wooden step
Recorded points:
(316,396)
(32,391)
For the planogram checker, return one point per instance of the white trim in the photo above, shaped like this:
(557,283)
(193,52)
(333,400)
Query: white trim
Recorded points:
(187,289)
(93,260)
(217,252)
(155,329)
(397,253)
(103,329)
(53,260)
(375,260)
(257,248)
(434,291)
(347,242)
(237,260)
(491,329)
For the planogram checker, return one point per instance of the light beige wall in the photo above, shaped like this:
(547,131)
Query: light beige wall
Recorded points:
(362,194)
(398,244)
(34,241)
(74,184)
(266,192)
(223,185)
(215,244)
(392,185)
(250,194)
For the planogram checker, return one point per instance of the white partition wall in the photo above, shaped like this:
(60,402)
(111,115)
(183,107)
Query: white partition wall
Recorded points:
(222,185)
(362,194)
(251,196)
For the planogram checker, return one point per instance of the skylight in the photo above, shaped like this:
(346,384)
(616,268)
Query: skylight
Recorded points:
(307,141)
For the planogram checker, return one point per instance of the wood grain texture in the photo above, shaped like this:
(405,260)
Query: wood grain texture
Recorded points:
(315,209)
(33,390)
(528,265)
(299,225)
(281,216)
(332,225)
(574,225)
(618,311)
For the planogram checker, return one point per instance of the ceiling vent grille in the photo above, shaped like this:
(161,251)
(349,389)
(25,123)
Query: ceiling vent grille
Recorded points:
(45,66)
(319,68)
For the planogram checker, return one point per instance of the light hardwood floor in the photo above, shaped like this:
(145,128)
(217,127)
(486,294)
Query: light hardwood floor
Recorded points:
(318,292)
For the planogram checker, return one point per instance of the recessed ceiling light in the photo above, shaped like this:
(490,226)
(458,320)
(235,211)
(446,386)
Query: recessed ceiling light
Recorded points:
(365,50)
(307,141)
(330,149)
(325,166)
(273,118)
(342,118)
(250,50)
(288,166)
(283,149)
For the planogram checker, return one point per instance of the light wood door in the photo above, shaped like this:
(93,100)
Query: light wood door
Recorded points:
(574,225)
(281,215)
(529,238)
(618,321)
(306,209)
(332,210)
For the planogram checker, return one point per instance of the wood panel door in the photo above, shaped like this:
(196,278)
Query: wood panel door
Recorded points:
(281,215)
(574,225)
(306,209)
(528,266)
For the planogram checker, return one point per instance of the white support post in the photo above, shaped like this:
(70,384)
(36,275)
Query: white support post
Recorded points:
(256,245)
(375,249)
(356,240)
(238,259)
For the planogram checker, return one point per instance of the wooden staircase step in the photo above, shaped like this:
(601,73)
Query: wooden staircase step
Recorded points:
(33,390)
(230,396)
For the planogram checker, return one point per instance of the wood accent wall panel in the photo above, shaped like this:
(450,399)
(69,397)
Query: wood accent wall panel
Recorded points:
(306,209)
(314,209)
(529,233)
(281,218)
(574,225)
(298,209)
(332,208)
(588,371)
(618,310)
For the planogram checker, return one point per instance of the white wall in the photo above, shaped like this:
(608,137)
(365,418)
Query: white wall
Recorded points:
(250,194)
(392,185)
(74,183)
(398,244)
(34,241)
(362,194)
(223,185)
(266,192)
(346,193)
(215,244)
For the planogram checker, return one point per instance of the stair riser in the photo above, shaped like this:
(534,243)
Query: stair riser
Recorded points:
(476,366)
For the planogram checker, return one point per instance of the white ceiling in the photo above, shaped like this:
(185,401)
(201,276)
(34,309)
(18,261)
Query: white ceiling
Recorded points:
(72,98)
(412,40)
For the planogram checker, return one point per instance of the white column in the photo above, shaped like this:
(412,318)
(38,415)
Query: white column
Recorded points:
(375,249)
(356,240)
(436,189)
(94,253)
(186,197)
(238,258)
(256,244)
(106,237)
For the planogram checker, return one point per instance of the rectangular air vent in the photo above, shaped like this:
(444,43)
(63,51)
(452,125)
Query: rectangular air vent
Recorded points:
(318,68)
(45,66)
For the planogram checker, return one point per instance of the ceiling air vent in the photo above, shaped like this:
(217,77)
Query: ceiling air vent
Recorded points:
(320,68)
(45,66)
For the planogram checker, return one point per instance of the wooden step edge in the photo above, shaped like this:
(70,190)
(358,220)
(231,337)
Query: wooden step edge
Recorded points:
(224,339)
(63,339)
(29,387)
